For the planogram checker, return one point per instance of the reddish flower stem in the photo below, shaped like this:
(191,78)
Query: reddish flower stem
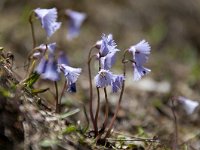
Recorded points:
(32,28)
(120,97)
(97,110)
(91,90)
(57,101)
(61,95)
(106,109)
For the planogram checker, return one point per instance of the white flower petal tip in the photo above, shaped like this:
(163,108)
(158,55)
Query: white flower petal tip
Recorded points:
(188,105)
(139,72)
(143,47)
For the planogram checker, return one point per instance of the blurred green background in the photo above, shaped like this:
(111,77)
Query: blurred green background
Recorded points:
(171,28)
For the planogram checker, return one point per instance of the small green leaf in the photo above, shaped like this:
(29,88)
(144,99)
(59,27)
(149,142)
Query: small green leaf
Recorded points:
(32,79)
(141,131)
(70,129)
(5,93)
(70,113)
(36,91)
(48,143)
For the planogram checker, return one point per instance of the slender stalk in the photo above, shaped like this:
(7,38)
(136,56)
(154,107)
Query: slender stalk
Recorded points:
(120,98)
(175,142)
(30,70)
(57,101)
(63,91)
(106,109)
(91,90)
(97,110)
(116,111)
(32,28)
(101,131)
(98,99)
(87,119)
(124,57)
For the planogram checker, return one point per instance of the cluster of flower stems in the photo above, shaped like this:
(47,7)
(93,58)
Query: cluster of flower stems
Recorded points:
(94,117)
(106,127)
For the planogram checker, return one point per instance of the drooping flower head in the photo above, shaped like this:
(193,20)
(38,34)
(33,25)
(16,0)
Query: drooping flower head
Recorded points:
(41,67)
(50,47)
(188,105)
(44,49)
(139,72)
(47,66)
(62,59)
(103,78)
(70,73)
(51,72)
(117,82)
(72,88)
(106,78)
(75,22)
(108,60)
(48,19)
(106,45)
(140,54)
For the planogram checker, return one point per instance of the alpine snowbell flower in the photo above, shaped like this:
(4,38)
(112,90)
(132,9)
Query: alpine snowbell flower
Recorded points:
(42,48)
(107,45)
(41,66)
(48,19)
(76,20)
(140,53)
(107,61)
(72,88)
(117,82)
(50,47)
(188,105)
(139,72)
(103,78)
(51,72)
(70,73)
(47,66)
